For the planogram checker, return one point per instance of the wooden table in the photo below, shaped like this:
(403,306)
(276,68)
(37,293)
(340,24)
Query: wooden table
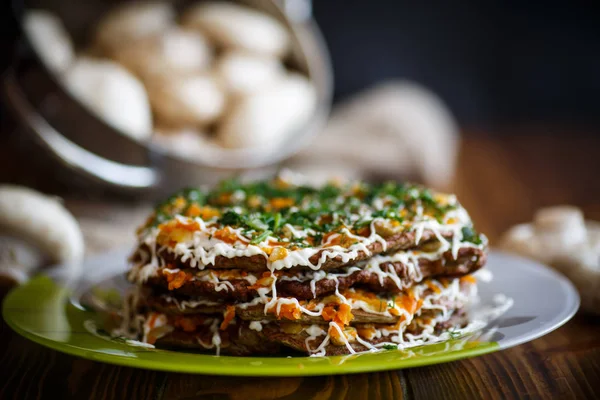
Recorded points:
(501,181)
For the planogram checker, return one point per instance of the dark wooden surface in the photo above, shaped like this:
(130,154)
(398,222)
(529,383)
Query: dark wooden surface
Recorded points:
(501,181)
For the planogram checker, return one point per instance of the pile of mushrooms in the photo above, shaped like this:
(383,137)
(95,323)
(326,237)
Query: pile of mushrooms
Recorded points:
(35,231)
(560,236)
(213,77)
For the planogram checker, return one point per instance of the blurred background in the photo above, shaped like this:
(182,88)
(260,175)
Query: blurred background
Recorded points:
(497,101)
(492,62)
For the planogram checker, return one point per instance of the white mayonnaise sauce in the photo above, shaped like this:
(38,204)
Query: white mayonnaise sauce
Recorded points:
(203,248)
(258,325)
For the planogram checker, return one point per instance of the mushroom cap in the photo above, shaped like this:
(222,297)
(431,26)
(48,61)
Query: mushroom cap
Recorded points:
(521,239)
(18,259)
(559,236)
(113,93)
(582,267)
(268,117)
(563,225)
(233,26)
(176,51)
(244,73)
(183,101)
(132,21)
(41,221)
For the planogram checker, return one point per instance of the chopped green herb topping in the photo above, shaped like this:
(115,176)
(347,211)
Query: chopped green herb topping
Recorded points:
(469,235)
(266,207)
(392,302)
(261,237)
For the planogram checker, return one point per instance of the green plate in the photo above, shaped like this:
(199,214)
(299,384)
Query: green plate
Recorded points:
(46,311)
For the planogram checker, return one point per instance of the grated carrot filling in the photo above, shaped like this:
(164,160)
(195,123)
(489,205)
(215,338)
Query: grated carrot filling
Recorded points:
(370,298)
(175,225)
(468,279)
(433,287)
(226,235)
(338,239)
(364,231)
(179,202)
(205,212)
(227,317)
(366,332)
(186,323)
(344,315)
(265,281)
(173,232)
(281,202)
(410,304)
(278,253)
(328,313)
(287,311)
(151,339)
(177,279)
(224,199)
(152,320)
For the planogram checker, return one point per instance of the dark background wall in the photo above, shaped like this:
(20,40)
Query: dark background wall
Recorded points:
(493,62)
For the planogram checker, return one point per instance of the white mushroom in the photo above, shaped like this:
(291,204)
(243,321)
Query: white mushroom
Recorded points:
(181,101)
(239,27)
(582,266)
(132,21)
(176,51)
(244,73)
(520,239)
(35,230)
(555,231)
(559,236)
(268,117)
(563,225)
(186,142)
(113,93)
(49,39)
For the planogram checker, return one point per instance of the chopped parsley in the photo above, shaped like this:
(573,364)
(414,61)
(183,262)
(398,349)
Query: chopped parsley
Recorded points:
(261,237)
(469,235)
(392,302)
(390,346)
(231,218)
(276,222)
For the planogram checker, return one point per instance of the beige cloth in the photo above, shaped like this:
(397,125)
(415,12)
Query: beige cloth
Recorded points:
(396,130)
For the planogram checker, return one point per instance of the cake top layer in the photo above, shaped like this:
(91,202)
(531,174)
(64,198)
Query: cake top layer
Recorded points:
(298,216)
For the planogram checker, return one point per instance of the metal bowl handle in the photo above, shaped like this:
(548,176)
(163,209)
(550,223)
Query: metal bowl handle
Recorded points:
(113,173)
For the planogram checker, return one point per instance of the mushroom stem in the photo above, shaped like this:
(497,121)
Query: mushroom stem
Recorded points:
(35,231)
